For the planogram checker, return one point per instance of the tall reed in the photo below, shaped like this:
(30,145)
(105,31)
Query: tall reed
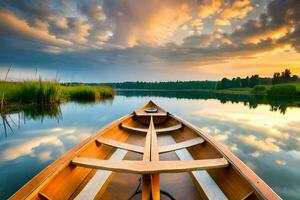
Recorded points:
(48,92)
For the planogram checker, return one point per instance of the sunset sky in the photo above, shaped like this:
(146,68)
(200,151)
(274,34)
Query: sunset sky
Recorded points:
(153,40)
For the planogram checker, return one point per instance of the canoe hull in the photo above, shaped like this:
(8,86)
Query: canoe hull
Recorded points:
(98,160)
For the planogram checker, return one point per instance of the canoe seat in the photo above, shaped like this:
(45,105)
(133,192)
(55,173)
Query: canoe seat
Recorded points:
(120,145)
(208,185)
(180,145)
(143,167)
(158,114)
(158,130)
(140,149)
(90,191)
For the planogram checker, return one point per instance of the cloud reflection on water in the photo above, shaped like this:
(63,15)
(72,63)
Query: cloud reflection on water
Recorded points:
(45,144)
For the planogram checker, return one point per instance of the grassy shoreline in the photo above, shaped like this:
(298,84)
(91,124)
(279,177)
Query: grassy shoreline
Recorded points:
(292,89)
(50,92)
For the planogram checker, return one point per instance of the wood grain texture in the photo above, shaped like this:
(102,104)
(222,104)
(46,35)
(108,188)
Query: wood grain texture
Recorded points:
(146,187)
(261,188)
(158,130)
(155,184)
(120,145)
(142,167)
(90,191)
(31,189)
(147,146)
(181,145)
(146,178)
(203,181)
(64,180)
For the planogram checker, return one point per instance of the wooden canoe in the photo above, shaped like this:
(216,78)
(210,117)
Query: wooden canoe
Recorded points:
(147,154)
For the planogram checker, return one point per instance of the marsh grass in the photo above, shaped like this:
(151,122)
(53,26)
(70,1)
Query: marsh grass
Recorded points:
(86,93)
(49,92)
(30,92)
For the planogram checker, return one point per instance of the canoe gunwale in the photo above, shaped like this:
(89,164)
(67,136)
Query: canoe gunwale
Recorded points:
(63,162)
(44,177)
(259,185)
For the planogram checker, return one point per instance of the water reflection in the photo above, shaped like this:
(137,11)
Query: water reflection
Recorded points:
(280,103)
(13,115)
(268,142)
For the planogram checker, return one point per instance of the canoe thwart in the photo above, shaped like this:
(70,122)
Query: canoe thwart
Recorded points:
(98,181)
(158,130)
(208,186)
(180,145)
(120,145)
(142,167)
(145,114)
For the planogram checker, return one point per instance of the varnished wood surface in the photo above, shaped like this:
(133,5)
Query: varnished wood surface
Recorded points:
(158,130)
(240,170)
(123,185)
(142,167)
(155,183)
(146,178)
(121,145)
(99,179)
(64,180)
(31,189)
(181,145)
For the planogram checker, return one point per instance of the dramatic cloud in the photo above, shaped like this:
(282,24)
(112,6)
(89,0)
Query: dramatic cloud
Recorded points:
(127,33)
(151,23)
(207,8)
(10,24)
(235,10)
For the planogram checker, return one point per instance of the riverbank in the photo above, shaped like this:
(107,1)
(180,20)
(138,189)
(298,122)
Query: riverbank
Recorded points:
(50,92)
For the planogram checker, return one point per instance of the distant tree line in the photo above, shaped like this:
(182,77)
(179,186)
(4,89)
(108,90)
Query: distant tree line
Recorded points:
(250,82)
(225,83)
(247,82)
(171,85)
(284,77)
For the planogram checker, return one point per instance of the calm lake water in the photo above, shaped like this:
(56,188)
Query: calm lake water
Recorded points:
(263,132)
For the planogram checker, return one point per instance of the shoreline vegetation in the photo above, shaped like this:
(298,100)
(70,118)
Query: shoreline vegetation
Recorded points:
(281,84)
(50,92)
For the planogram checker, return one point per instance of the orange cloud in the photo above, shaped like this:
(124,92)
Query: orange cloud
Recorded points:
(12,24)
(150,24)
(268,33)
(222,22)
(209,7)
(237,10)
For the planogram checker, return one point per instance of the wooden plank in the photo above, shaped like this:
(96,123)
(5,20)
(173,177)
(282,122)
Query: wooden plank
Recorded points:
(146,178)
(154,147)
(146,186)
(155,184)
(151,114)
(142,167)
(90,191)
(261,188)
(32,188)
(207,184)
(120,145)
(147,146)
(250,195)
(43,196)
(159,130)
(169,129)
(181,145)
